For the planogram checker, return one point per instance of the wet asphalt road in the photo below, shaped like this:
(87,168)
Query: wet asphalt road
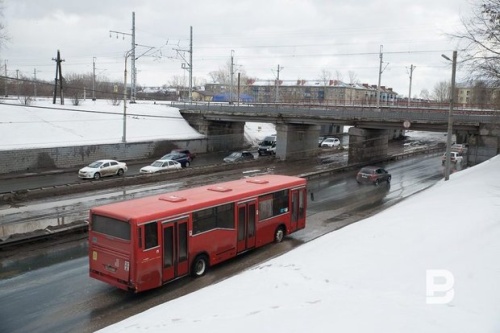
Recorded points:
(47,289)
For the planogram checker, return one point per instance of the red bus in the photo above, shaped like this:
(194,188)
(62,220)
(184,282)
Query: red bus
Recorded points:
(141,244)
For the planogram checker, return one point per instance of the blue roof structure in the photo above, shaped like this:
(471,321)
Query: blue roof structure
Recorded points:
(224,97)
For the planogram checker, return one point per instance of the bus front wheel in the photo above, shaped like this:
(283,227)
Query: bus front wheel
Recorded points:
(200,265)
(279,235)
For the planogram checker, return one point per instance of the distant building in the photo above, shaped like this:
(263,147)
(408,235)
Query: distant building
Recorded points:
(331,92)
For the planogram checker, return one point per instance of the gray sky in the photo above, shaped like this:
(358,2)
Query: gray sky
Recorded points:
(303,37)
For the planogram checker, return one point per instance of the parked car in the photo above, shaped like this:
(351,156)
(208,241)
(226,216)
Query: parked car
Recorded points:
(182,158)
(103,168)
(455,157)
(320,139)
(161,165)
(330,142)
(373,175)
(184,151)
(267,146)
(239,156)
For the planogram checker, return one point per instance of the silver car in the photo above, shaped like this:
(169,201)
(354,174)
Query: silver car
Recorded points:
(161,165)
(103,168)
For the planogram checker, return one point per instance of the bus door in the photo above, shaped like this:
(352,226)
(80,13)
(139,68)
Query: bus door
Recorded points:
(175,248)
(246,225)
(298,217)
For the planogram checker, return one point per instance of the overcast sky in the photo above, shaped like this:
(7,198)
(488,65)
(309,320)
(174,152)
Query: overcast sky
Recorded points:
(303,37)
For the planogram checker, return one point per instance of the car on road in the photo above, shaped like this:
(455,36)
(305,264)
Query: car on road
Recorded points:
(184,151)
(161,165)
(267,146)
(239,156)
(330,142)
(103,168)
(182,158)
(373,175)
(455,157)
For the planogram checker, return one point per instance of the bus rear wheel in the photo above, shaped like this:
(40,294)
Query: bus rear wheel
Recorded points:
(279,235)
(200,265)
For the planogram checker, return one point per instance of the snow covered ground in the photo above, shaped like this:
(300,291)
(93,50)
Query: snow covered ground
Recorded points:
(40,125)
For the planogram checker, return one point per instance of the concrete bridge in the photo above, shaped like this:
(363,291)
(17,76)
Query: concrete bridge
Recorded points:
(298,127)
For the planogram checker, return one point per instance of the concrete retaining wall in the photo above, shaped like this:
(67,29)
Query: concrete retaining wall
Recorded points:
(77,156)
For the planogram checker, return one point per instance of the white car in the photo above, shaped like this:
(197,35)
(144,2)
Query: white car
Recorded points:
(161,165)
(455,157)
(103,168)
(330,142)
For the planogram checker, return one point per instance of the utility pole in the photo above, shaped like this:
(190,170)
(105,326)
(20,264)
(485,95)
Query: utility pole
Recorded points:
(379,77)
(124,136)
(188,64)
(132,55)
(6,80)
(93,79)
(17,82)
(34,82)
(231,78)
(59,78)
(239,87)
(449,133)
(134,70)
(411,77)
(277,85)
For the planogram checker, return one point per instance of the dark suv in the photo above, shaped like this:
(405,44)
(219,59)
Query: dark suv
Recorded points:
(184,151)
(373,175)
(182,158)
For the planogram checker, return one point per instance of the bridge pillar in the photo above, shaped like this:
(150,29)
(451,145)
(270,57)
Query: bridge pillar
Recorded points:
(221,135)
(367,145)
(296,141)
(484,146)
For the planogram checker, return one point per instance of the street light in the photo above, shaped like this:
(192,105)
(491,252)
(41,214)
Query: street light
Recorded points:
(450,116)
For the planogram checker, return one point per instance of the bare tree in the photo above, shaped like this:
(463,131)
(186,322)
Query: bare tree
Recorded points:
(441,92)
(425,95)
(481,94)
(339,76)
(480,42)
(3,30)
(178,82)
(353,77)
(223,74)
(25,89)
(325,77)
(3,39)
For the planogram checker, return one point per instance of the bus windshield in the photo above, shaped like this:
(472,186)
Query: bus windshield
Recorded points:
(110,227)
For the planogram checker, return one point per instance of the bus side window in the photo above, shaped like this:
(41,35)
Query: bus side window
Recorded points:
(151,235)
